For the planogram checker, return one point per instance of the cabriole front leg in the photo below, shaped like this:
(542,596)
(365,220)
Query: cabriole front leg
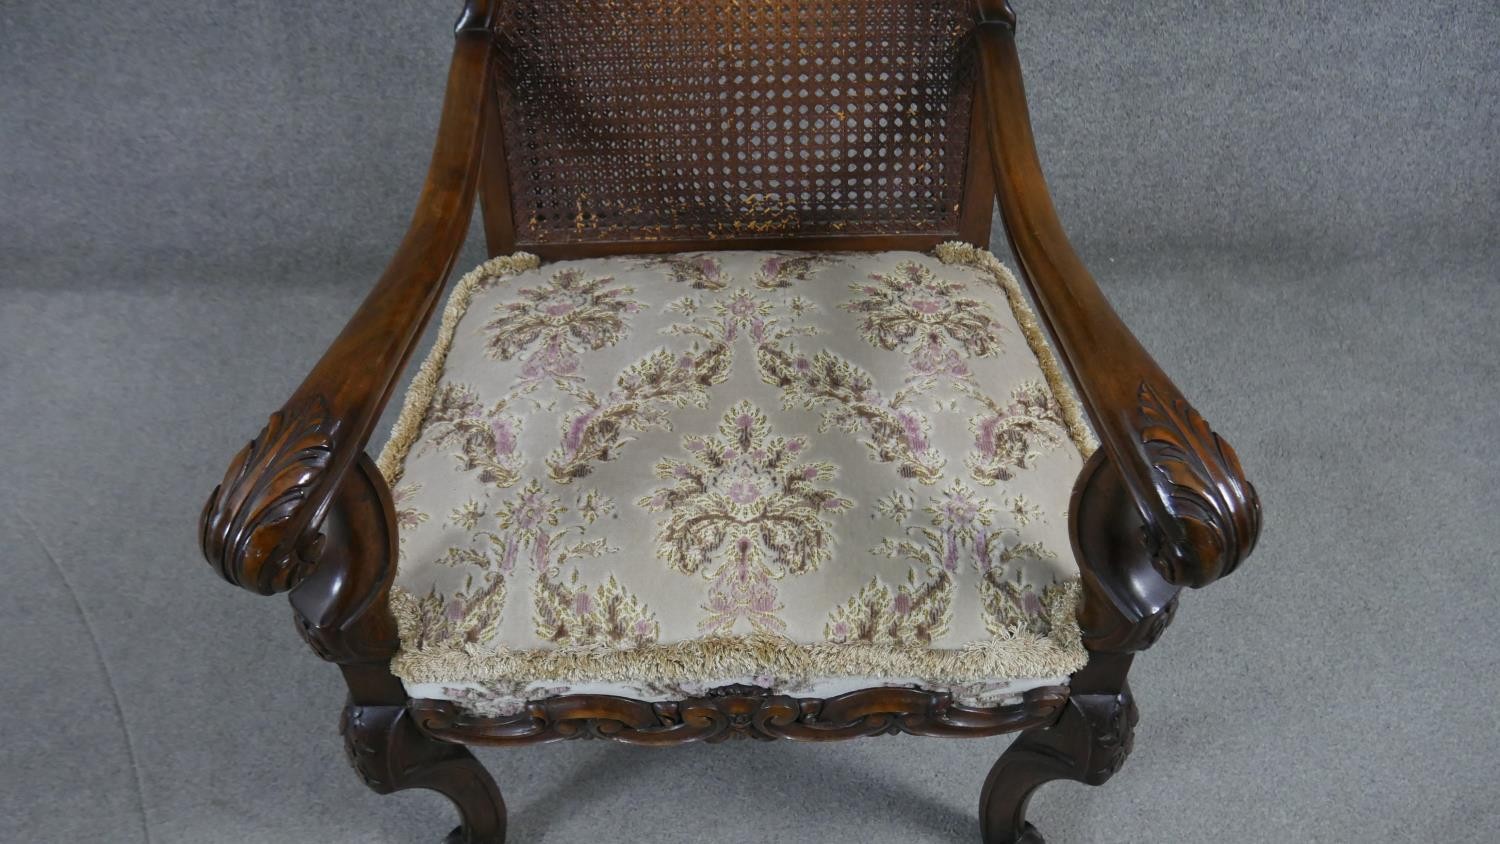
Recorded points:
(339,594)
(1088,744)
(390,754)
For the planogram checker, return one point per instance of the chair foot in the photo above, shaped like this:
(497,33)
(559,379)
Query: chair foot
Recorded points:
(1088,744)
(1030,835)
(390,754)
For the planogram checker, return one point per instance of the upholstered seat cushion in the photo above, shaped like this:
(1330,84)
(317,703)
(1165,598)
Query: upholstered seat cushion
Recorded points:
(813,472)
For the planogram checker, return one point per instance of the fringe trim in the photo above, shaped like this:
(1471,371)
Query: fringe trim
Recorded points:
(958,252)
(715,657)
(408,427)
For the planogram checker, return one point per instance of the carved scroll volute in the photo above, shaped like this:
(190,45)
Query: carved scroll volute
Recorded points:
(254,530)
(1215,513)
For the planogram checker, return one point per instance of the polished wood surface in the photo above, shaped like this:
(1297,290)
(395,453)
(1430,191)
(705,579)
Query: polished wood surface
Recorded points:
(1163,505)
(1201,515)
(303,509)
(260,528)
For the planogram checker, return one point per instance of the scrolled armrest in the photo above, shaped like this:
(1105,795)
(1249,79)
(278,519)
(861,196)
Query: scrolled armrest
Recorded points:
(252,529)
(1205,516)
(1201,516)
(261,527)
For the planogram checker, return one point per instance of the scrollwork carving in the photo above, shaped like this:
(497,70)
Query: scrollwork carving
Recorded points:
(390,754)
(1088,743)
(1115,633)
(1157,624)
(1215,513)
(250,528)
(739,712)
(368,735)
(1112,720)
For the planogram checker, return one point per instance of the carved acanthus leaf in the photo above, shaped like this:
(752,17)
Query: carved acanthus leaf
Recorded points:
(253,529)
(1215,513)
(1112,720)
(739,712)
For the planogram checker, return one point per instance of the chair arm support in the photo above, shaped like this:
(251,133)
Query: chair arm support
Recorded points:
(1201,517)
(261,527)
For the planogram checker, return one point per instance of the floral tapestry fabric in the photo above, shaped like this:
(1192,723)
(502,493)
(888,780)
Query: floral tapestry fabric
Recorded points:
(645,476)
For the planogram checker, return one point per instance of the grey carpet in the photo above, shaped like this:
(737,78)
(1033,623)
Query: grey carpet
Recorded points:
(1295,208)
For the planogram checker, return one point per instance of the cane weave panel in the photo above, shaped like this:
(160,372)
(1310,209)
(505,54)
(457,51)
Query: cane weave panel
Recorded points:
(655,120)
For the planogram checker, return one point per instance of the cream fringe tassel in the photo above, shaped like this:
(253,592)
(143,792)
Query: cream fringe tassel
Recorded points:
(408,427)
(711,658)
(958,252)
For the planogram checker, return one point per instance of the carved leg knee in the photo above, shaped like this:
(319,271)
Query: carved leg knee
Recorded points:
(390,754)
(1088,744)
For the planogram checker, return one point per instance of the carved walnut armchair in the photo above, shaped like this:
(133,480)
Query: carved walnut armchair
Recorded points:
(740,432)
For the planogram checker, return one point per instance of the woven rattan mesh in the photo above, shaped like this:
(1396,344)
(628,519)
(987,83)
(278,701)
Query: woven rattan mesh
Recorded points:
(631,120)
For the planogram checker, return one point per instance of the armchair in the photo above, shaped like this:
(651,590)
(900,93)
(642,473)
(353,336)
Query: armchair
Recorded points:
(721,142)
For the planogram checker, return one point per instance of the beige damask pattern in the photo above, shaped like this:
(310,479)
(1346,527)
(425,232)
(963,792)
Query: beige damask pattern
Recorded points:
(801,471)
(748,512)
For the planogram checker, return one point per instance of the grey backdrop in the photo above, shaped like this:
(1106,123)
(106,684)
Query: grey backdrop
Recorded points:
(1293,203)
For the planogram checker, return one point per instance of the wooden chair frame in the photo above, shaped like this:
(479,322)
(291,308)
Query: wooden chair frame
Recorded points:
(1160,506)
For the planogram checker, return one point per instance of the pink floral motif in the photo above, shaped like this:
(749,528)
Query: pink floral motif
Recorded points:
(566,612)
(701,272)
(484,439)
(525,521)
(468,616)
(961,528)
(746,512)
(1013,606)
(927,317)
(648,390)
(912,616)
(961,522)
(1011,437)
(530,526)
(570,313)
(780,270)
(743,312)
(408,516)
(642,398)
(896,431)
